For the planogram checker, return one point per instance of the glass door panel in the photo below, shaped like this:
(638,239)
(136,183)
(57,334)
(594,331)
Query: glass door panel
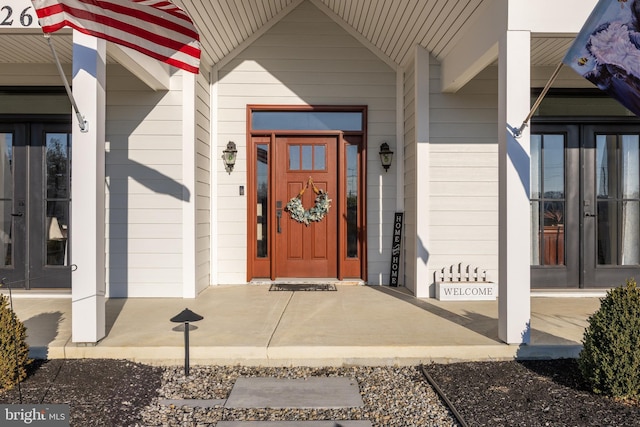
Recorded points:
(58,180)
(585,226)
(612,158)
(49,201)
(12,204)
(6,199)
(35,204)
(554,207)
(548,199)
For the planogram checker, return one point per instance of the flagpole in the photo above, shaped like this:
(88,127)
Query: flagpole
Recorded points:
(84,127)
(518,132)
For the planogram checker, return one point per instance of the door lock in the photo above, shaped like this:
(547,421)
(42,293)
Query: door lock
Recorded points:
(587,205)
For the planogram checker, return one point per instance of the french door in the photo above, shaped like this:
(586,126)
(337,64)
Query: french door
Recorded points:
(585,204)
(35,201)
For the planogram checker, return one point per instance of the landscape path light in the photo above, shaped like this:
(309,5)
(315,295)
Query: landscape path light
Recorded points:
(186,316)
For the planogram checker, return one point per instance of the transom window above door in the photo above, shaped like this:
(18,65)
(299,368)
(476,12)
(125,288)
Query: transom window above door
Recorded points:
(307,120)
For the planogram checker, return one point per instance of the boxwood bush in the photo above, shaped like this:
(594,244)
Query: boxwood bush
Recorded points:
(14,351)
(610,358)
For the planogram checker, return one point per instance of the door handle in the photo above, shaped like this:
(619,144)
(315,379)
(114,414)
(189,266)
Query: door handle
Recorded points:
(590,215)
(16,214)
(278,215)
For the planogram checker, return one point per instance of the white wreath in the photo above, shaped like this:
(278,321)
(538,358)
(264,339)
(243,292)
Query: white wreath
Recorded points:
(316,213)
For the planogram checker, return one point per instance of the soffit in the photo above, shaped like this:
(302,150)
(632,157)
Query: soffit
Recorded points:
(393,27)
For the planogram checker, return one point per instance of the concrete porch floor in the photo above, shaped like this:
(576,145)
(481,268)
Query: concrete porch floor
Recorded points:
(249,325)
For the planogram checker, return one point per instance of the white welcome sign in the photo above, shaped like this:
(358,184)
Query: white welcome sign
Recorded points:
(466,291)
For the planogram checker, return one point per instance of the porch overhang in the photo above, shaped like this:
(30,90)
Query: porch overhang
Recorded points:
(463,36)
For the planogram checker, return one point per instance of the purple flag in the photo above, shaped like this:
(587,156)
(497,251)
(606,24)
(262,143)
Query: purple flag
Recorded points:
(607,51)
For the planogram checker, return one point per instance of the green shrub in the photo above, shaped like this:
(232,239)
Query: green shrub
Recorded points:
(14,351)
(610,359)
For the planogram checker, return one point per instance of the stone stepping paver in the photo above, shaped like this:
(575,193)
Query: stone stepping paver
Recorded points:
(316,392)
(341,423)
(193,403)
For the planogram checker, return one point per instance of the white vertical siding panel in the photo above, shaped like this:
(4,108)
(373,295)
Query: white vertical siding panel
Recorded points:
(203,182)
(144,187)
(464,174)
(306,59)
(410,230)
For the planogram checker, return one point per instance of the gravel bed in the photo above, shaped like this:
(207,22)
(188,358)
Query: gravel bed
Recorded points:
(392,396)
(494,394)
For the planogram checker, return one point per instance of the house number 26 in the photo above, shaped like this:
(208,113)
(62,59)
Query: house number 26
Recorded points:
(9,18)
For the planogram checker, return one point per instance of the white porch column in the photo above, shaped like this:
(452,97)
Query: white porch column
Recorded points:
(423,194)
(514,307)
(88,191)
(189,187)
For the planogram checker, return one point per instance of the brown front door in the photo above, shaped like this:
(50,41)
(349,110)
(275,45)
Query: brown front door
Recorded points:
(302,163)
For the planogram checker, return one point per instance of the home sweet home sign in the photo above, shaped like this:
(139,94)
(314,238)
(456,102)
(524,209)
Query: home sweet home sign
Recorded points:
(394,276)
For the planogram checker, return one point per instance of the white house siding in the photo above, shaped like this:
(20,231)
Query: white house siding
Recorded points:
(203,181)
(30,75)
(463,206)
(144,187)
(305,59)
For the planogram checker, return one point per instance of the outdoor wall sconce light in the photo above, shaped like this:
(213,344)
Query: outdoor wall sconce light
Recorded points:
(386,156)
(186,316)
(229,156)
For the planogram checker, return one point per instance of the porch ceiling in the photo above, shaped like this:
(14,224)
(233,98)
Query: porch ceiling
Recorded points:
(392,27)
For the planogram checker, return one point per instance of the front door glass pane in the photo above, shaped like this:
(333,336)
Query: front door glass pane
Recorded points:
(294,157)
(307,157)
(319,157)
(617,190)
(58,181)
(262,202)
(548,199)
(6,198)
(352,201)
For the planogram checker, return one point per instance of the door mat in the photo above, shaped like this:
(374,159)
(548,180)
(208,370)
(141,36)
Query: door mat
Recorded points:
(292,287)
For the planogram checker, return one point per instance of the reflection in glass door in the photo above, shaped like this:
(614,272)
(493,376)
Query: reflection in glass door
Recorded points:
(7,232)
(611,226)
(585,205)
(35,204)
(554,211)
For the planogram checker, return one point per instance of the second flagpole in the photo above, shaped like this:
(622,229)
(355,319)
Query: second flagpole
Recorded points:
(518,132)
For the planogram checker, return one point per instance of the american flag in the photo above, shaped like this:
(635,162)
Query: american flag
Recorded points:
(157,28)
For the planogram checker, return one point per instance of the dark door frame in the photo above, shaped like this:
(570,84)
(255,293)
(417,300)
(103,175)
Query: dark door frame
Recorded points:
(35,276)
(581,270)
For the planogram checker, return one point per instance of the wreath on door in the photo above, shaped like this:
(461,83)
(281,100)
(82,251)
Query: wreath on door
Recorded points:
(316,213)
